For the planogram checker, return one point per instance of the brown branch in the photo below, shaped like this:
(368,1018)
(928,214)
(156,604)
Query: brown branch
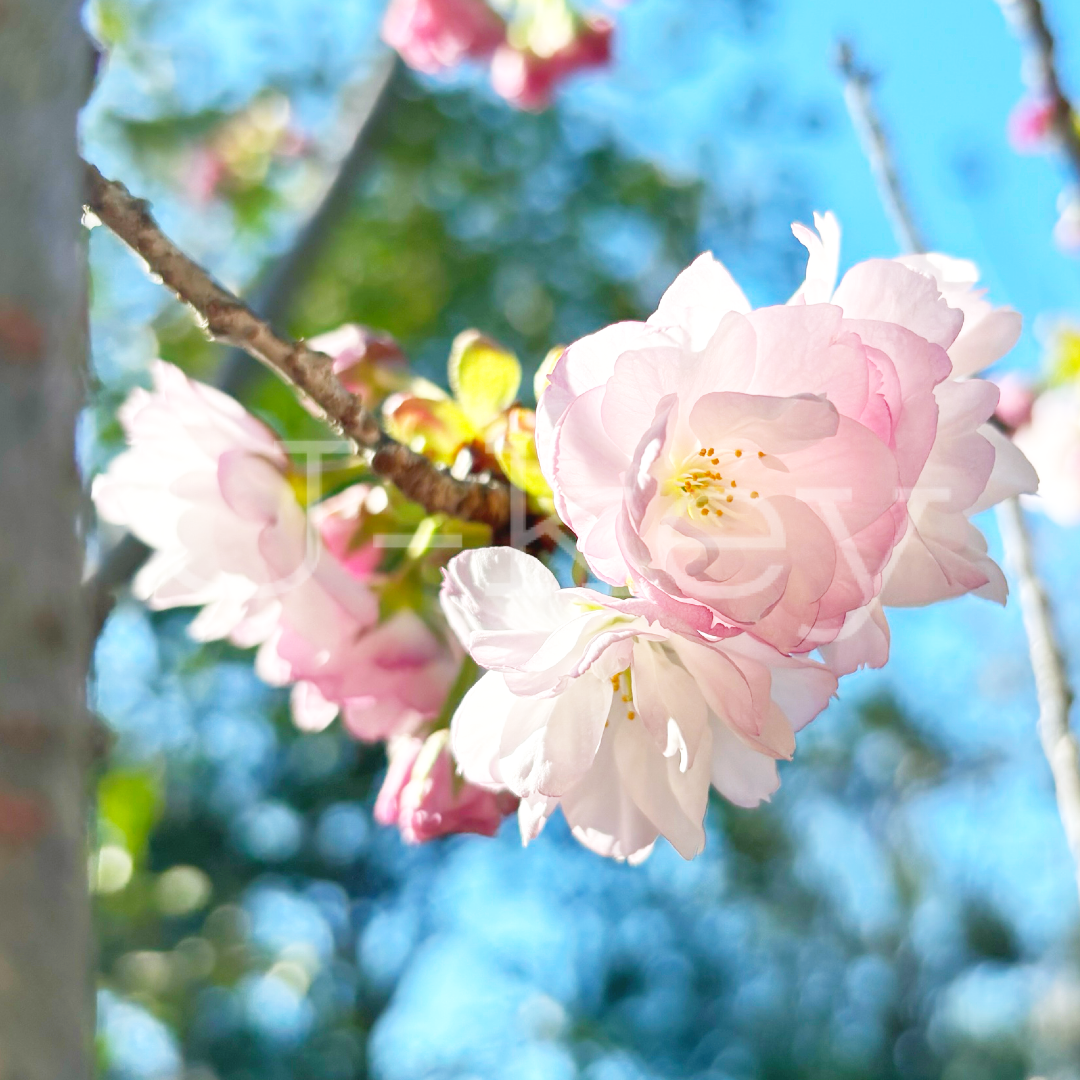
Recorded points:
(229,320)
(271,297)
(1047,658)
(1028,21)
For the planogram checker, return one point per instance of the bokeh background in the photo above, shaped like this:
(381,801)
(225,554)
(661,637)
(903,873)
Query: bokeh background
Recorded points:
(904,908)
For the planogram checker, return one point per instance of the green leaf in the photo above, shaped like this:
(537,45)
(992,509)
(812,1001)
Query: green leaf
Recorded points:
(131,802)
(484,376)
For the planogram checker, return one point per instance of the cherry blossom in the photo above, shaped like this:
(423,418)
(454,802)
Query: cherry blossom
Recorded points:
(1052,441)
(610,711)
(755,469)
(528,80)
(434,35)
(208,487)
(1031,124)
(423,798)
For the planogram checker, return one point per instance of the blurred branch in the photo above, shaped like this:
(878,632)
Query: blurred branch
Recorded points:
(858,83)
(1028,21)
(1047,662)
(1051,681)
(273,296)
(310,373)
(271,299)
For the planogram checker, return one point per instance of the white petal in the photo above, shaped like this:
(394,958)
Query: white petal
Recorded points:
(823,264)
(674,801)
(698,300)
(477,727)
(740,774)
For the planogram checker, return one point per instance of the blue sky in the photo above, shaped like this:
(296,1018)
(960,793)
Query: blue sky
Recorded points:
(950,72)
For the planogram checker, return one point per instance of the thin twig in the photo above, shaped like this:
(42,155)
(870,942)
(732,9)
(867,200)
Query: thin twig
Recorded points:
(1047,659)
(1028,21)
(270,299)
(229,320)
(1051,681)
(858,82)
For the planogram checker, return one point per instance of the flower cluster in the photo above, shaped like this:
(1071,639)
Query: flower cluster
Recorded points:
(750,489)
(213,492)
(760,483)
(530,53)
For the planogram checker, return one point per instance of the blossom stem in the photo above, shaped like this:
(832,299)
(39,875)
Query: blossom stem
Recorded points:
(1028,21)
(229,320)
(1047,657)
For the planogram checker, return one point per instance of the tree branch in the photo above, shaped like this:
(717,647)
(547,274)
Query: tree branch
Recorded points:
(1051,681)
(229,320)
(1028,21)
(1047,662)
(272,297)
(875,143)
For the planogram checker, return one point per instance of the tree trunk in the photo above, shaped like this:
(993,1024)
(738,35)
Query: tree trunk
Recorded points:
(45,989)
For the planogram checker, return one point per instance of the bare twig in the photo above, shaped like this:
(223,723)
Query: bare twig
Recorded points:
(1051,681)
(858,82)
(1028,21)
(271,298)
(1047,661)
(229,320)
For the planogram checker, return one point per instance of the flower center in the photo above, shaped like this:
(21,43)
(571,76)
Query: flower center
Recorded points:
(624,689)
(707,482)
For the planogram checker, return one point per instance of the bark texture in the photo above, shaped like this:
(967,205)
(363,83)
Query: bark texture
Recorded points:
(45,987)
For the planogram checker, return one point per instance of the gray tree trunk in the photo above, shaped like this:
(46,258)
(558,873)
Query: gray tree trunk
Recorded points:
(45,988)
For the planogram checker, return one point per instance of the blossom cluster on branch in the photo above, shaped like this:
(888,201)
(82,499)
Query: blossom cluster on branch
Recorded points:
(531,45)
(749,488)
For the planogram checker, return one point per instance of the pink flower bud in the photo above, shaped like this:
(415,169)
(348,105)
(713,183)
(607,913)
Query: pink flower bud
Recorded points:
(1030,125)
(528,80)
(433,35)
(424,799)
(369,363)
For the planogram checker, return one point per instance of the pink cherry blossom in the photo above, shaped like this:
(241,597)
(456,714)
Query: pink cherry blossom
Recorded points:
(434,35)
(971,467)
(528,80)
(752,469)
(1031,124)
(368,363)
(424,799)
(1052,441)
(207,486)
(597,706)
